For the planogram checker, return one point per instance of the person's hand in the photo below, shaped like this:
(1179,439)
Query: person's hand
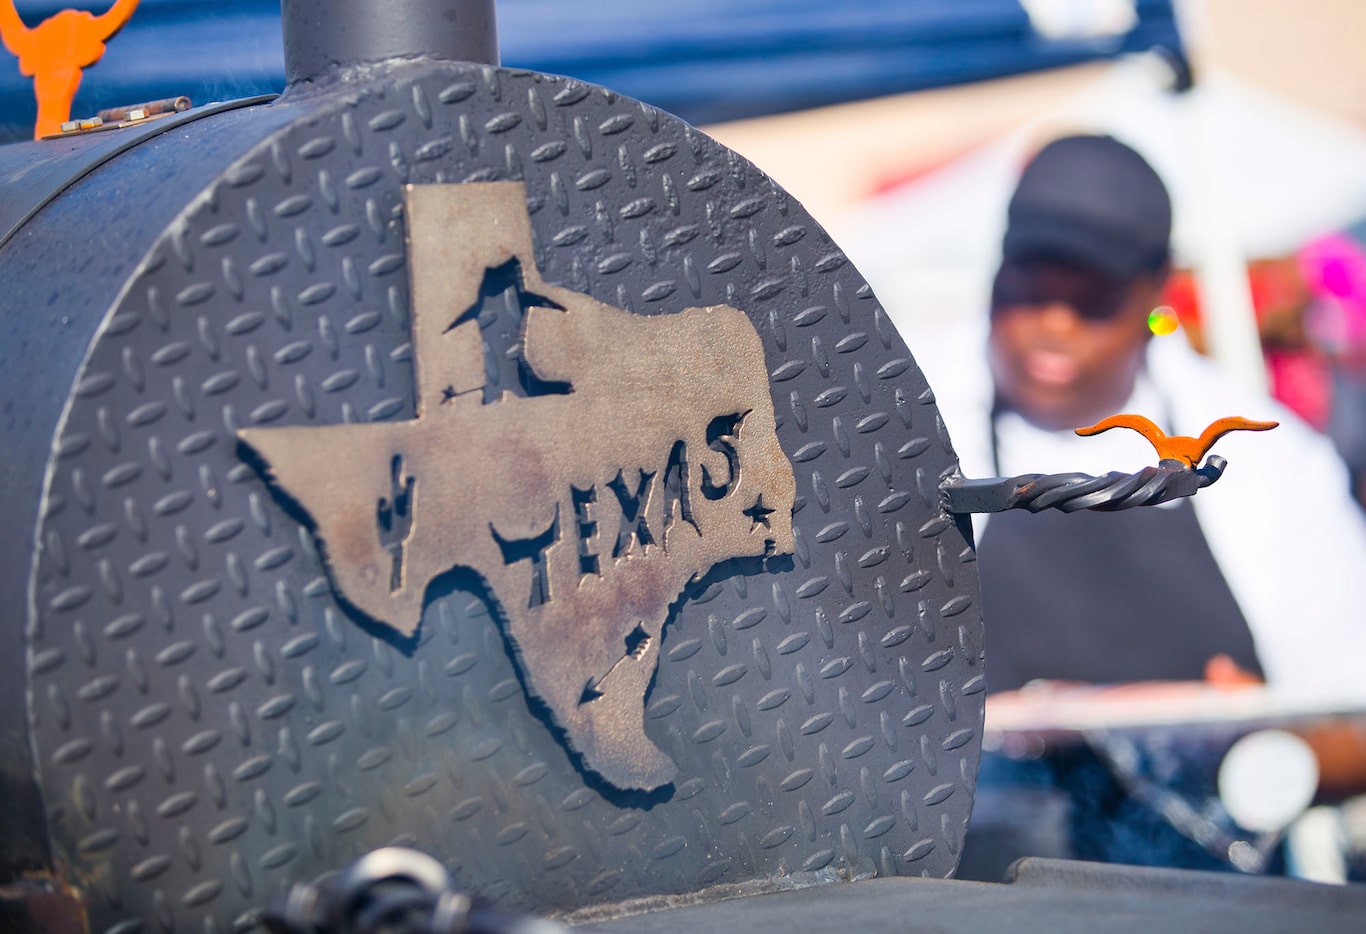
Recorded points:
(1223,672)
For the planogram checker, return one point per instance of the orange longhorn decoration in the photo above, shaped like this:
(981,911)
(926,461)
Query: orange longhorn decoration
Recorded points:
(1177,447)
(54,52)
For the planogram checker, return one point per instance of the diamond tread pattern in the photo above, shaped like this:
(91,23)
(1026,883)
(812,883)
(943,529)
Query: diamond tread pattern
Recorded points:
(211,725)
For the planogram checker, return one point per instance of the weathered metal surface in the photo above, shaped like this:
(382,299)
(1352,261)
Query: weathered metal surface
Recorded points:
(630,455)
(212,723)
(167,105)
(41,904)
(323,37)
(35,173)
(58,291)
(1058,896)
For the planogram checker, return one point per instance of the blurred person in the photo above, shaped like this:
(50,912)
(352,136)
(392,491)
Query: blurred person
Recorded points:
(1266,569)
(1261,577)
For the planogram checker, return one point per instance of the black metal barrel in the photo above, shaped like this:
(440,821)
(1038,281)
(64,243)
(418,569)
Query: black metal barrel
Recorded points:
(205,695)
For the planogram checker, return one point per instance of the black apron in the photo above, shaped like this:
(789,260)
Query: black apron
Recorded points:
(1104,598)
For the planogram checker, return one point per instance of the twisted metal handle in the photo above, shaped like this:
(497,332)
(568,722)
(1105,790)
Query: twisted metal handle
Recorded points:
(1069,492)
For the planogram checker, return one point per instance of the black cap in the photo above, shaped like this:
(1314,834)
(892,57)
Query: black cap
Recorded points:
(1092,202)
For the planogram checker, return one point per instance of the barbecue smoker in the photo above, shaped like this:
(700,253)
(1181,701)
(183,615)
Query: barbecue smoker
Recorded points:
(476,461)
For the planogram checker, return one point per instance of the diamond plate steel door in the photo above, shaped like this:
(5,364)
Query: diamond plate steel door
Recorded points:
(211,722)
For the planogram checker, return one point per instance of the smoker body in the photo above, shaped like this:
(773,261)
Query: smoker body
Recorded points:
(116,190)
(197,715)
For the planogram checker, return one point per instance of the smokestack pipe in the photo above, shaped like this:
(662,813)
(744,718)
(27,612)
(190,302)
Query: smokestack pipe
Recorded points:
(324,35)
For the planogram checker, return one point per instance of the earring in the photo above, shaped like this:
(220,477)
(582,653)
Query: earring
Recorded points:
(1162,320)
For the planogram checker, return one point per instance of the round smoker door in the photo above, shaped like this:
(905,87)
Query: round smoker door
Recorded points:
(217,713)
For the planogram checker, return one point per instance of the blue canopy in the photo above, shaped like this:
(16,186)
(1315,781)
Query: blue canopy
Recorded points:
(705,60)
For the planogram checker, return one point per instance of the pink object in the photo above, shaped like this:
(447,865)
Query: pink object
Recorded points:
(1334,268)
(1304,383)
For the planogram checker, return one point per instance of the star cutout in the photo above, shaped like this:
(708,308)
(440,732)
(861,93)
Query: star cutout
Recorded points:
(510,491)
(759,513)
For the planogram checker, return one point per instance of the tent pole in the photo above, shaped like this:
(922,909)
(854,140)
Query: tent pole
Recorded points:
(1220,266)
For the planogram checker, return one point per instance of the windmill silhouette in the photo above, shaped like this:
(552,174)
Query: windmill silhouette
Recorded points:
(55,52)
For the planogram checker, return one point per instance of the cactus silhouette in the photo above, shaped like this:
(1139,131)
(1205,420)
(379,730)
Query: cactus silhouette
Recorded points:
(54,52)
(395,516)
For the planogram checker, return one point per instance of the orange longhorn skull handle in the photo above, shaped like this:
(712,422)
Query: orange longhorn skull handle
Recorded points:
(55,51)
(1187,450)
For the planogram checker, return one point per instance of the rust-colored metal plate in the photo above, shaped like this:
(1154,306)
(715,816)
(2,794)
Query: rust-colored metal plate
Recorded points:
(224,702)
(584,544)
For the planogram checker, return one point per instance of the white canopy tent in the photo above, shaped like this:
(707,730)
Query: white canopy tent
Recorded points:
(1251,175)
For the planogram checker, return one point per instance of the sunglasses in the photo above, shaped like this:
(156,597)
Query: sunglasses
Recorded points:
(1035,283)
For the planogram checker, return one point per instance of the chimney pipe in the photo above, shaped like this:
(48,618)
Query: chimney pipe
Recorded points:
(322,36)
